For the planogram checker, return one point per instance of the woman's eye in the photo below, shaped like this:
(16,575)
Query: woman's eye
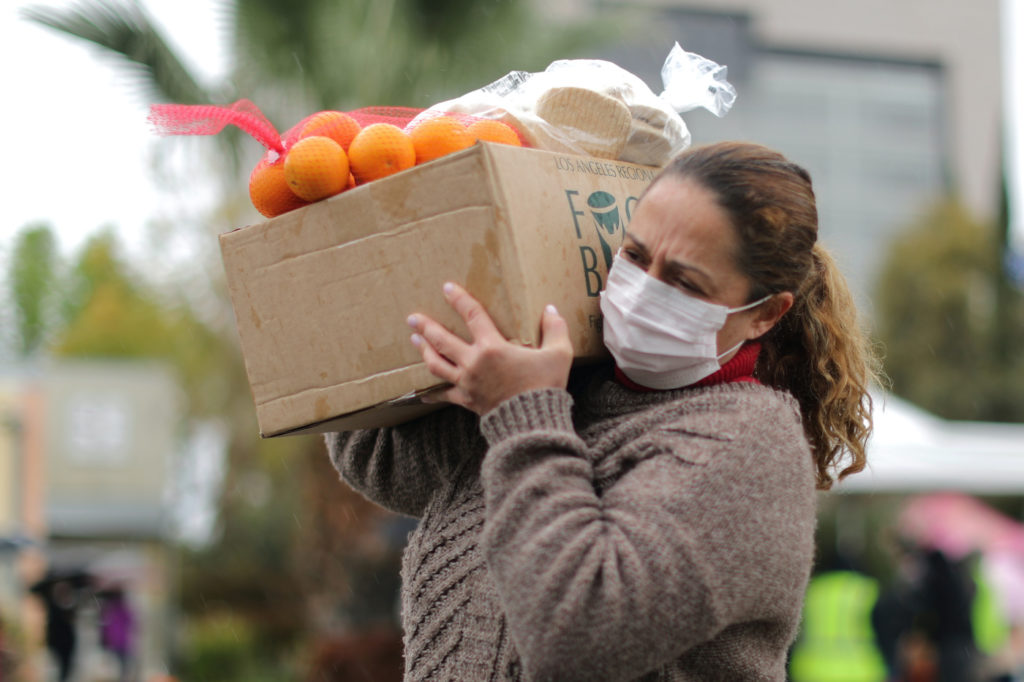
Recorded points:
(632,256)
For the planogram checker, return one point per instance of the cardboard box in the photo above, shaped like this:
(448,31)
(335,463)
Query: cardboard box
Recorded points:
(321,294)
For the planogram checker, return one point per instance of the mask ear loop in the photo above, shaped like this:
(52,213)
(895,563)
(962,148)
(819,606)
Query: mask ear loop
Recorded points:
(748,306)
(722,355)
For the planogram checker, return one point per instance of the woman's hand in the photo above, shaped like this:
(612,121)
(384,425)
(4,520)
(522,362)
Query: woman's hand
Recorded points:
(490,370)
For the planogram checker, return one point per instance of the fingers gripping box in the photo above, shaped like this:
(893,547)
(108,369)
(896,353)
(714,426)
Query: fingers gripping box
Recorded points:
(321,293)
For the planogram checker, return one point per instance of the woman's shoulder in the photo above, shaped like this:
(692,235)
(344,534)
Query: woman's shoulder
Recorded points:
(736,413)
(735,430)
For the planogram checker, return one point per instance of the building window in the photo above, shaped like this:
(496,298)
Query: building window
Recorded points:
(98,430)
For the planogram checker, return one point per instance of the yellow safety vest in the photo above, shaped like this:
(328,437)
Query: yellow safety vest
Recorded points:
(988,621)
(837,641)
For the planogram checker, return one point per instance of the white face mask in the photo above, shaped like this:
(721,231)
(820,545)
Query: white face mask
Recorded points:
(659,336)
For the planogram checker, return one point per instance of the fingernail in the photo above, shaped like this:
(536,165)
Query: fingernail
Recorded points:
(417,340)
(413,321)
(448,288)
(550,309)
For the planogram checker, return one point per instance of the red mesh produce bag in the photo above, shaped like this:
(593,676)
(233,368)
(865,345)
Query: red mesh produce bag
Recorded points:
(201,119)
(274,187)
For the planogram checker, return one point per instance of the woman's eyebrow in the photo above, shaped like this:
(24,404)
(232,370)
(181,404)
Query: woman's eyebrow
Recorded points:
(677,268)
(674,265)
(626,234)
(686,266)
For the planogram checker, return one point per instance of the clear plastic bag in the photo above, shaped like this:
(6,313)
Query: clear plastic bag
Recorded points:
(692,81)
(596,108)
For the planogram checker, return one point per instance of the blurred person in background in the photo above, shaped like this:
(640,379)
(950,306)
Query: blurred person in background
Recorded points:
(939,619)
(117,630)
(908,655)
(60,597)
(651,518)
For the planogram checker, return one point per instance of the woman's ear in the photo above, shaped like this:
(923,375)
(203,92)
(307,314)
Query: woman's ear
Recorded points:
(765,316)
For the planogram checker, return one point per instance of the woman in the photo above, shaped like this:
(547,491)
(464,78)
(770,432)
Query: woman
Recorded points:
(651,519)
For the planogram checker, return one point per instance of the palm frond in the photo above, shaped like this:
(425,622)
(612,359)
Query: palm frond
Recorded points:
(125,29)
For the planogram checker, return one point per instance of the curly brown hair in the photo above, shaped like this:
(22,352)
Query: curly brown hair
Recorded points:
(818,351)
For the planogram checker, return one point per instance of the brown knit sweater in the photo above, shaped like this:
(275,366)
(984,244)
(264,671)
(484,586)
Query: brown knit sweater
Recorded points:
(654,536)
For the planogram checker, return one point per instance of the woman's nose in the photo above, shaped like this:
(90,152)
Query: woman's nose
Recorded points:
(656,270)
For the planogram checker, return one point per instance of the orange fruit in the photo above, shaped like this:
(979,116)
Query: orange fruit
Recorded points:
(336,125)
(316,167)
(490,130)
(268,188)
(379,150)
(437,136)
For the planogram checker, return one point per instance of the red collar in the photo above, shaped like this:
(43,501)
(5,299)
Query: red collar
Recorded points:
(739,369)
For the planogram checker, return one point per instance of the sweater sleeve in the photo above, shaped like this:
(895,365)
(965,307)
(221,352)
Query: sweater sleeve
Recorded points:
(609,584)
(400,467)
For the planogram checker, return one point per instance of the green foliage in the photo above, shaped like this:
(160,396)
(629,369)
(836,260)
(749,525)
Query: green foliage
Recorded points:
(108,311)
(390,52)
(97,307)
(223,647)
(31,280)
(247,571)
(943,321)
(217,648)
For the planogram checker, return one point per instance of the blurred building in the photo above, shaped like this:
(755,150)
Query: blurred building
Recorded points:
(86,454)
(888,105)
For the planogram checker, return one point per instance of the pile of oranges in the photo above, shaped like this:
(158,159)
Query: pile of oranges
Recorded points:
(333,153)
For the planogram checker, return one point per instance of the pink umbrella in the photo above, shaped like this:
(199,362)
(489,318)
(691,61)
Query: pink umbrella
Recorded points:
(958,524)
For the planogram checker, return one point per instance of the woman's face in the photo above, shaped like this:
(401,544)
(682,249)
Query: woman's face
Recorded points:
(681,236)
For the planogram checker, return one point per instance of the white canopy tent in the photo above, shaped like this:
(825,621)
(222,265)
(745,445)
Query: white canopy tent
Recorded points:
(912,451)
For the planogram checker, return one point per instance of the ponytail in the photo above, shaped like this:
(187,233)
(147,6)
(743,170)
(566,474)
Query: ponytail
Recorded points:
(820,354)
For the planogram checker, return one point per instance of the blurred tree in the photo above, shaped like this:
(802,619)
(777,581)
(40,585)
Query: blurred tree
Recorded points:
(391,52)
(943,314)
(31,280)
(247,570)
(98,306)
(343,543)
(109,311)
